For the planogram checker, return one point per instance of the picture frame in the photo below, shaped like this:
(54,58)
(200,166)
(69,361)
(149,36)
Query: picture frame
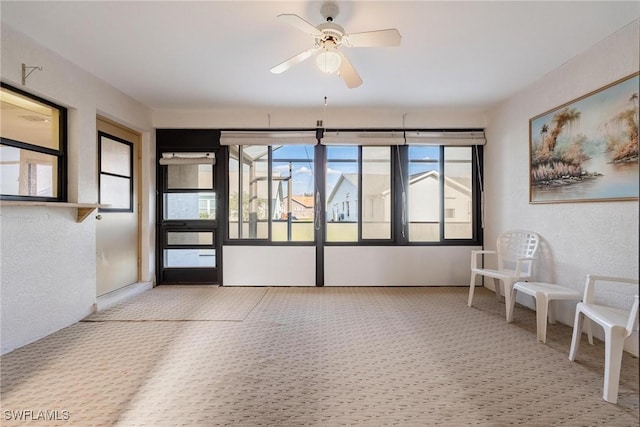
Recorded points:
(587,149)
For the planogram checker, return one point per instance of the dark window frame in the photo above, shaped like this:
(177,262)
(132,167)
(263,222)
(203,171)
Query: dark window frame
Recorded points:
(391,241)
(60,153)
(267,241)
(399,233)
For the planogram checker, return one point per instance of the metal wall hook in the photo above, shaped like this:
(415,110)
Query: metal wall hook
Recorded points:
(25,74)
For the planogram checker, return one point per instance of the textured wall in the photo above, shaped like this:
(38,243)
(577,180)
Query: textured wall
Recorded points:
(48,268)
(579,238)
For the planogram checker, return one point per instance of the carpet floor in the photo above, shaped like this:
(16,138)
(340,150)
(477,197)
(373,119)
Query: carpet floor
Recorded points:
(286,356)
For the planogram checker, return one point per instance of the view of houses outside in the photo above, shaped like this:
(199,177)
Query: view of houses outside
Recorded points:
(424,193)
(458,207)
(343,206)
(292,204)
(292,186)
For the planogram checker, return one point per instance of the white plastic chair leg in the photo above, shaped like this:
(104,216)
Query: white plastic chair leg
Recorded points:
(590,330)
(542,306)
(552,307)
(472,285)
(511,306)
(614,343)
(509,300)
(577,334)
(496,285)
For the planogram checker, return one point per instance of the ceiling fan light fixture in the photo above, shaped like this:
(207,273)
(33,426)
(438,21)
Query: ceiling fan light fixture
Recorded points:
(329,61)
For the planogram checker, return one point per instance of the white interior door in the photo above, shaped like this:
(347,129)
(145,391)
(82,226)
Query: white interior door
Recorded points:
(117,235)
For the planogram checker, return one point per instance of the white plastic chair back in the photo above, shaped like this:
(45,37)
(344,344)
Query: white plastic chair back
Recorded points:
(514,245)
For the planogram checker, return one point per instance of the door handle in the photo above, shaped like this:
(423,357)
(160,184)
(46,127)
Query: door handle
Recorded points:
(98,217)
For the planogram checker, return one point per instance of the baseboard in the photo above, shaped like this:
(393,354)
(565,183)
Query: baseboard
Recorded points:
(112,298)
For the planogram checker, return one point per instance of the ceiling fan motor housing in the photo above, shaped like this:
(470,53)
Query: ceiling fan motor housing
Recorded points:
(331,32)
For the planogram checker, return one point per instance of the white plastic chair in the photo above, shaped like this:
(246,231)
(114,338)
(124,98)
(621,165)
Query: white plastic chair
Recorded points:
(617,323)
(515,250)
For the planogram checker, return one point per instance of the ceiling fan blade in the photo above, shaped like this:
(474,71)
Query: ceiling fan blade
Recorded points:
(390,37)
(348,73)
(281,68)
(301,24)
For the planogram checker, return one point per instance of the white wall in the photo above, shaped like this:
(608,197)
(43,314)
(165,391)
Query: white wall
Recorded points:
(306,118)
(397,266)
(579,238)
(48,268)
(269,265)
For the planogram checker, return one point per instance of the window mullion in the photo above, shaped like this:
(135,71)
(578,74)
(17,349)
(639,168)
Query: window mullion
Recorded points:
(442,172)
(269,191)
(359,204)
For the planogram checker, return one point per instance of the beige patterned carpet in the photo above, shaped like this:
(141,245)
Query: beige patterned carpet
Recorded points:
(185,303)
(315,357)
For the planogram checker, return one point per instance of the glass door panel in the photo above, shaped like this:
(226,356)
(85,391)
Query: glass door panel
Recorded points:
(188,226)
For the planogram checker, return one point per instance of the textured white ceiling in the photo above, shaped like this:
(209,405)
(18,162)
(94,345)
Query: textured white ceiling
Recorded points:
(207,54)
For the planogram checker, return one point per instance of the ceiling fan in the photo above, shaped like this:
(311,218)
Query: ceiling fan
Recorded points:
(328,37)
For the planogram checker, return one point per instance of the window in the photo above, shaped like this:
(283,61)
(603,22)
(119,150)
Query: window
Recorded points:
(359,196)
(458,193)
(377,188)
(32,147)
(343,183)
(427,191)
(116,173)
(376,193)
(189,192)
(272,193)
(188,249)
(423,193)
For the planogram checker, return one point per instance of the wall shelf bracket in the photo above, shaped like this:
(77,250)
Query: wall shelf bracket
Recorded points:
(26,74)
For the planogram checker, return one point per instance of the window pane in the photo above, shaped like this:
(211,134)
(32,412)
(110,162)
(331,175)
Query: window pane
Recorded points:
(290,208)
(342,194)
(255,206)
(115,157)
(115,192)
(190,176)
(423,194)
(190,205)
(248,192)
(27,120)
(376,192)
(457,193)
(293,190)
(27,173)
(185,258)
(342,231)
(190,238)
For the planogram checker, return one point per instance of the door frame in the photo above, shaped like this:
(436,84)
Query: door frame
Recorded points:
(188,140)
(117,131)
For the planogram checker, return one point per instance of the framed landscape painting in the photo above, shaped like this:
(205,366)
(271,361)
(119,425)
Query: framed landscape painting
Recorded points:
(587,149)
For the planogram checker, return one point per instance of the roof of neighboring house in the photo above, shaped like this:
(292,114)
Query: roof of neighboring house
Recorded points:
(380,183)
(351,178)
(461,184)
(306,201)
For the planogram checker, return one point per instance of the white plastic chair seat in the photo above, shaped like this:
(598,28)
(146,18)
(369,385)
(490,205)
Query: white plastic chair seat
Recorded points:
(607,317)
(617,323)
(494,274)
(544,293)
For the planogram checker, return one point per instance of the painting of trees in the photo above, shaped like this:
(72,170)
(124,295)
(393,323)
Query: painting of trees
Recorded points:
(551,164)
(589,144)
